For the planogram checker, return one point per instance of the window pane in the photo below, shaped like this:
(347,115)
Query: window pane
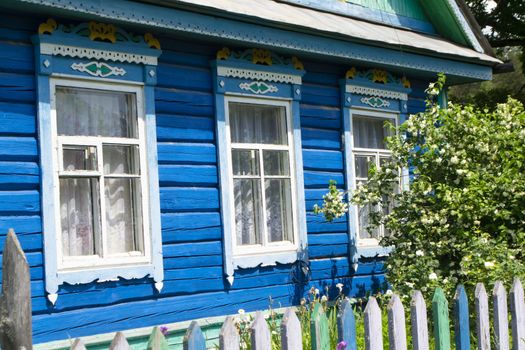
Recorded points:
(278,210)
(88,112)
(79,158)
(245,162)
(123,214)
(248,214)
(362,163)
(364,213)
(276,163)
(79,216)
(257,124)
(369,132)
(120,159)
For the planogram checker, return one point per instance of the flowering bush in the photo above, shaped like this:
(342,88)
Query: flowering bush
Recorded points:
(462,219)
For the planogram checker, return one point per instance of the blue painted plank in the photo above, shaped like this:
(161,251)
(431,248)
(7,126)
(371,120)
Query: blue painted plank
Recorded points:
(19,176)
(186,153)
(320,117)
(183,58)
(461,315)
(190,227)
(321,178)
(19,202)
(29,242)
(18,148)
(328,239)
(318,224)
(322,74)
(17,87)
(192,261)
(185,128)
(321,139)
(323,251)
(322,160)
(17,119)
(16,58)
(184,77)
(188,175)
(174,101)
(194,273)
(21,224)
(192,249)
(188,198)
(321,95)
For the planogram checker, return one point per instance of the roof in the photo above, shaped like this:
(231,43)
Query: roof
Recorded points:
(305,19)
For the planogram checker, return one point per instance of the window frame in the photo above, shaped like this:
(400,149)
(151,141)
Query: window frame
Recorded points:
(240,251)
(376,152)
(84,262)
(113,59)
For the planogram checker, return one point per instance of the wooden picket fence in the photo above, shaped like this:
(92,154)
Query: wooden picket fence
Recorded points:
(16,320)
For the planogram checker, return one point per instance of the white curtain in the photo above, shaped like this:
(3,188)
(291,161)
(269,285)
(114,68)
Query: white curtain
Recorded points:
(369,132)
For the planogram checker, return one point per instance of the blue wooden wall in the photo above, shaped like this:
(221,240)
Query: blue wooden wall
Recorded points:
(194,286)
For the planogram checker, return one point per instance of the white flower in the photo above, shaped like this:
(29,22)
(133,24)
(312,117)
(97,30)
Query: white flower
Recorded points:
(266,316)
(240,311)
(488,264)
(316,291)
(454,160)
(324,299)
(419,253)
(432,276)
(389,292)
(340,287)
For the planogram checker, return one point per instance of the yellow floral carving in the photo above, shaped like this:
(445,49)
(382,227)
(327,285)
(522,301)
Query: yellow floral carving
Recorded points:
(223,54)
(152,41)
(47,27)
(380,76)
(262,56)
(102,31)
(297,63)
(405,82)
(350,74)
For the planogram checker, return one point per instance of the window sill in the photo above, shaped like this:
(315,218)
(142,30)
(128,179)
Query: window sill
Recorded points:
(266,259)
(373,251)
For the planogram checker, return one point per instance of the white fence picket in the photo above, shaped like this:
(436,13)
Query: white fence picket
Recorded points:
(482,317)
(517,309)
(260,333)
(397,334)
(418,317)
(229,337)
(119,342)
(291,337)
(501,316)
(373,327)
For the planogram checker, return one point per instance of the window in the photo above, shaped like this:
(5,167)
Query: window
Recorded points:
(102,174)
(262,171)
(369,148)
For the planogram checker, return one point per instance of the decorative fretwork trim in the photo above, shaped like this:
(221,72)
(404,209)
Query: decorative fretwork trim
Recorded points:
(376,102)
(258,87)
(83,52)
(258,75)
(376,92)
(98,69)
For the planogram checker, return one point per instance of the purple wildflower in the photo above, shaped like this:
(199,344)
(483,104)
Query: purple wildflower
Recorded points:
(164,330)
(341,346)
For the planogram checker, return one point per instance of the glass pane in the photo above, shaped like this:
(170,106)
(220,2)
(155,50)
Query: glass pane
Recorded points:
(364,221)
(362,164)
(370,132)
(79,158)
(257,124)
(276,163)
(79,216)
(245,162)
(120,159)
(248,214)
(88,112)
(278,210)
(123,215)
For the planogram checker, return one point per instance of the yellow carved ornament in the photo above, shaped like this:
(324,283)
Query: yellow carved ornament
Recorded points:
(297,64)
(152,41)
(379,76)
(102,31)
(405,82)
(262,56)
(47,27)
(223,54)
(350,74)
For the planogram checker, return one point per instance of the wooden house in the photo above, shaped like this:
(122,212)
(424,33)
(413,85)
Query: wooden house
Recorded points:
(160,158)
